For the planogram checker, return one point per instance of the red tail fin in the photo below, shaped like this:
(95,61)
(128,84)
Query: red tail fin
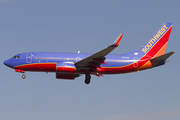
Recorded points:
(156,46)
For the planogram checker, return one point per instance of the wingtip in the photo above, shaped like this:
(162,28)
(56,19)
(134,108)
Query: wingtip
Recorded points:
(118,39)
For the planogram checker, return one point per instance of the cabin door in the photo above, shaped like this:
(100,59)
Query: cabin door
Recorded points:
(29,57)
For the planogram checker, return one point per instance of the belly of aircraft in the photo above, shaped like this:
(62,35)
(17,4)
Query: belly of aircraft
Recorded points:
(38,67)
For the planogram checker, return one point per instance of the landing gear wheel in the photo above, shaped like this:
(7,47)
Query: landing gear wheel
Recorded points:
(23,76)
(87,81)
(88,78)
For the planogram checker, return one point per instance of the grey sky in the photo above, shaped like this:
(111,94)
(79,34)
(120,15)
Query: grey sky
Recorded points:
(88,26)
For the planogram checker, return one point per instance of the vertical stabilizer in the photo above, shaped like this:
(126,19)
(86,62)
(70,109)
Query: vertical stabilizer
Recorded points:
(156,46)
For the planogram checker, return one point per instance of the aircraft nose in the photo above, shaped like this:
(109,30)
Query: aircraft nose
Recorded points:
(7,63)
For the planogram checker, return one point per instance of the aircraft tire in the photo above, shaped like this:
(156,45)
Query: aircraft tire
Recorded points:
(23,76)
(88,79)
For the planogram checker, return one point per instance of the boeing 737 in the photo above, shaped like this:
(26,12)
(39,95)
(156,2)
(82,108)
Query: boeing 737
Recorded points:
(72,65)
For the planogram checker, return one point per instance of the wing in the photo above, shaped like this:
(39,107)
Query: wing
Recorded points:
(94,61)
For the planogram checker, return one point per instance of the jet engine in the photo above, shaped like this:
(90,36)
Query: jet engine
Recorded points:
(66,76)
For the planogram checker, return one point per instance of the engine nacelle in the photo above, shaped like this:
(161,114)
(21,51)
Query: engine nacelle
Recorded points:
(66,76)
(65,68)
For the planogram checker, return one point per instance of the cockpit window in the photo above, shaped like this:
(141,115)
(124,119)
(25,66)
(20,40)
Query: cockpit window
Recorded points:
(16,57)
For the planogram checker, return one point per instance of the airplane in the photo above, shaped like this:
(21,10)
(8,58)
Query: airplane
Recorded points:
(72,65)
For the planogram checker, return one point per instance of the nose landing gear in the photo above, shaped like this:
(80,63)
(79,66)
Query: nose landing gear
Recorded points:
(21,71)
(23,76)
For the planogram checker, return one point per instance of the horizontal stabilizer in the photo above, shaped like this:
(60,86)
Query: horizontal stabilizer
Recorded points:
(162,57)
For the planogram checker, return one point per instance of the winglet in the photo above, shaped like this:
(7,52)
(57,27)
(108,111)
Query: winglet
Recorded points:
(117,41)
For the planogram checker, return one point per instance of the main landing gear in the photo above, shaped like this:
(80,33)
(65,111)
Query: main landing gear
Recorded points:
(87,79)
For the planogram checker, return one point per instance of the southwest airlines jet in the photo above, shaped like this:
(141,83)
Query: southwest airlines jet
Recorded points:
(72,65)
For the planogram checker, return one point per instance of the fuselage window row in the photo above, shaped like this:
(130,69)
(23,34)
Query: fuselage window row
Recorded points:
(51,58)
